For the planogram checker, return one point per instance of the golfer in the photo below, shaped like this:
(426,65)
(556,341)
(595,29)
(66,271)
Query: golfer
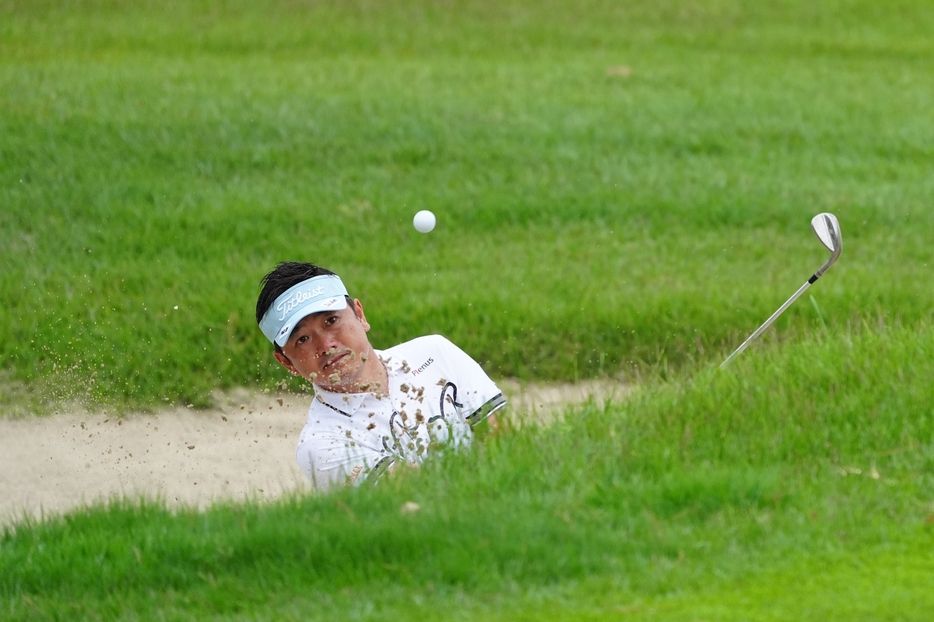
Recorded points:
(372,410)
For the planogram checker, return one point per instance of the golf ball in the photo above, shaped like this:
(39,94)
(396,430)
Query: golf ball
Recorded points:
(424,221)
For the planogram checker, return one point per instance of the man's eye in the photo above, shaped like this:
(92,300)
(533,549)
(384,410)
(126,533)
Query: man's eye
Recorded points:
(331,320)
(301,339)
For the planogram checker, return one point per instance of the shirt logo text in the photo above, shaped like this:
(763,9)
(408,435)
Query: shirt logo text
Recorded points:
(423,367)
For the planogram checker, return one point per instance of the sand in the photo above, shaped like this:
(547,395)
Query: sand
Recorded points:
(242,448)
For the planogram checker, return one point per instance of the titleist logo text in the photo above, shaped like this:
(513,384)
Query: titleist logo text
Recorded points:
(296,299)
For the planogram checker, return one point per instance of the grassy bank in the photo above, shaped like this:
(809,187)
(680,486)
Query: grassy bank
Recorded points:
(777,490)
(622,189)
(157,159)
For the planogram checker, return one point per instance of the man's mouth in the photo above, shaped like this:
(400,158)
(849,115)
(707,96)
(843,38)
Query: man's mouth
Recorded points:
(337,357)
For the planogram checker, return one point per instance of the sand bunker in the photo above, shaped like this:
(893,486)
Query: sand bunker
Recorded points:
(245,447)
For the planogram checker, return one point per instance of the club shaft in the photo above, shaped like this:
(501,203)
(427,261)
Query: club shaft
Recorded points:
(769,321)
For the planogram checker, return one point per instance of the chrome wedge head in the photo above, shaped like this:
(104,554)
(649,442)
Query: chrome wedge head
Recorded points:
(827,228)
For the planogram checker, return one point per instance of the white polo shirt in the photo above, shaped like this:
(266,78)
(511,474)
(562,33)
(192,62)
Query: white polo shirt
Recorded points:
(436,393)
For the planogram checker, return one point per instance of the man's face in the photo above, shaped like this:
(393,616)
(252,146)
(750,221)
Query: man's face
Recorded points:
(330,349)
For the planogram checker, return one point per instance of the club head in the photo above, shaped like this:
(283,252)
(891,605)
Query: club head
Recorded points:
(827,228)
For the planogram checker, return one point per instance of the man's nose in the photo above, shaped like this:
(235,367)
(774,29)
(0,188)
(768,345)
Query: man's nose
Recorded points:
(326,345)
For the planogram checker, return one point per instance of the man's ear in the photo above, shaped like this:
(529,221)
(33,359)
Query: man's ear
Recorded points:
(358,311)
(284,361)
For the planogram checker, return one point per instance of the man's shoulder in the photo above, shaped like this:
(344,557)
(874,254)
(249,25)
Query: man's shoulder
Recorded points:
(425,344)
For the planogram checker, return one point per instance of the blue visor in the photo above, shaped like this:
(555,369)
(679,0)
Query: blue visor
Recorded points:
(321,293)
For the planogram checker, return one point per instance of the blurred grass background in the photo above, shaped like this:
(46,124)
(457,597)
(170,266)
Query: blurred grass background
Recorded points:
(619,186)
(622,190)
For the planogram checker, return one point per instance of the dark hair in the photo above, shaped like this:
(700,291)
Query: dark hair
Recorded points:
(287,274)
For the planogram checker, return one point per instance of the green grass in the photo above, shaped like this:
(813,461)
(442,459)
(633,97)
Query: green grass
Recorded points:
(781,488)
(163,155)
(156,159)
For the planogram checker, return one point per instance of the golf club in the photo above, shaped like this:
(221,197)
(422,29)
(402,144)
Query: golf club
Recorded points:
(827,228)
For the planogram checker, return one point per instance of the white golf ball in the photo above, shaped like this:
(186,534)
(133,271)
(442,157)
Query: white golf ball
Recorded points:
(424,221)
